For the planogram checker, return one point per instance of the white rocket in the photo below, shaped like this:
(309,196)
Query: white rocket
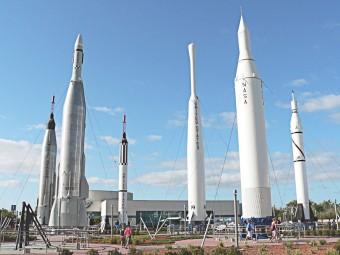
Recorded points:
(195,152)
(255,186)
(123,163)
(299,160)
(69,206)
(47,171)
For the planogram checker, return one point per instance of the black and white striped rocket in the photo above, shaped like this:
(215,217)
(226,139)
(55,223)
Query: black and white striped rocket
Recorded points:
(299,160)
(47,171)
(122,185)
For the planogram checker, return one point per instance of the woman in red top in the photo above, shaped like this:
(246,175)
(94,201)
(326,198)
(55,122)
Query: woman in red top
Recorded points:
(128,234)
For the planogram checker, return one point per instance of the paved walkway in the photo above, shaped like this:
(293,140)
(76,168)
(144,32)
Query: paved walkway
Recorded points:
(8,248)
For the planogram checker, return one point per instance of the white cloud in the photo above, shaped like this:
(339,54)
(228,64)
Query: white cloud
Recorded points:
(119,109)
(284,105)
(10,184)
(178,120)
(110,140)
(19,156)
(318,165)
(299,82)
(313,101)
(325,102)
(114,140)
(154,138)
(178,173)
(101,181)
(108,110)
(132,141)
(163,178)
(36,126)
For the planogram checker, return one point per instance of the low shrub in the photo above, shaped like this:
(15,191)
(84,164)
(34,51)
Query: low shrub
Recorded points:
(326,232)
(313,243)
(115,240)
(114,252)
(263,250)
(196,250)
(337,246)
(288,244)
(65,252)
(322,242)
(184,251)
(332,252)
(134,251)
(92,252)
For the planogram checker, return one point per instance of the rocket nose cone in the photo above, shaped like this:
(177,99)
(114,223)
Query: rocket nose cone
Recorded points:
(79,42)
(242,26)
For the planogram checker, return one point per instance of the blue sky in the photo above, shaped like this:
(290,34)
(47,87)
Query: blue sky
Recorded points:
(136,62)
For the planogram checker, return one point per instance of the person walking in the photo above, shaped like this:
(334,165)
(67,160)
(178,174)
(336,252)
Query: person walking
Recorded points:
(122,235)
(273,229)
(249,228)
(128,235)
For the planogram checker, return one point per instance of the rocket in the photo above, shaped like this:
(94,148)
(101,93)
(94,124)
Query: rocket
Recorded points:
(123,163)
(299,160)
(47,171)
(69,206)
(195,152)
(255,185)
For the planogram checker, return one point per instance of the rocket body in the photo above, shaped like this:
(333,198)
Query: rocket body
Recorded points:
(195,152)
(47,173)
(69,206)
(255,185)
(299,160)
(122,185)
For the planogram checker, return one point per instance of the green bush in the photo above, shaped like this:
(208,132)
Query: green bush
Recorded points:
(333,232)
(65,252)
(288,244)
(134,251)
(92,252)
(135,241)
(170,253)
(337,246)
(263,250)
(219,251)
(332,252)
(326,232)
(313,243)
(308,232)
(184,251)
(115,240)
(168,247)
(196,250)
(114,252)
(322,242)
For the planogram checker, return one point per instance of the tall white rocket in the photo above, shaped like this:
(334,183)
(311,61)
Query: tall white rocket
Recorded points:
(255,186)
(195,152)
(123,163)
(47,171)
(299,160)
(69,206)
